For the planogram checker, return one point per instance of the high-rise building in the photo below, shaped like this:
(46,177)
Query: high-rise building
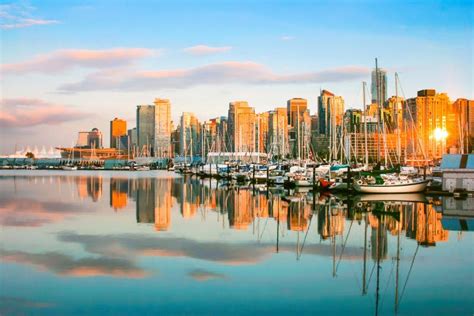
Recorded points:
(465,108)
(118,130)
(432,124)
(241,127)
(331,117)
(262,132)
(189,136)
(154,128)
(330,112)
(299,122)
(379,92)
(132,139)
(145,129)
(163,129)
(278,132)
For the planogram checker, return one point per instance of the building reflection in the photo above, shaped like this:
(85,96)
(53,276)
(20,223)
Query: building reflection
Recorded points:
(118,193)
(153,202)
(155,197)
(89,186)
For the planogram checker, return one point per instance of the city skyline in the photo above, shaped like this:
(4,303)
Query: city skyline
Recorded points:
(78,79)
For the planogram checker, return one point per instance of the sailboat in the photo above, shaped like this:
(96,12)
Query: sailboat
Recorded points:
(391,184)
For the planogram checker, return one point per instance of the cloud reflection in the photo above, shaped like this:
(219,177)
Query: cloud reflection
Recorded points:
(83,267)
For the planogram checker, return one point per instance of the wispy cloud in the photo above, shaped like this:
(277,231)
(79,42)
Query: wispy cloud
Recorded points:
(61,60)
(19,15)
(26,112)
(218,73)
(200,50)
(287,38)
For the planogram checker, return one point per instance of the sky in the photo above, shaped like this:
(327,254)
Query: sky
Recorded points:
(72,65)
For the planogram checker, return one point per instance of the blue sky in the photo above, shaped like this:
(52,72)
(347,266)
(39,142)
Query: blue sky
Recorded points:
(265,52)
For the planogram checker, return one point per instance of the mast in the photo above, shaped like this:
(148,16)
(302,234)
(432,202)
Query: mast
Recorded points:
(364,286)
(399,148)
(398,268)
(378,107)
(365,125)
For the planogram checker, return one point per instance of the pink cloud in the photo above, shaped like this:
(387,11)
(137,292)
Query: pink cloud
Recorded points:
(200,50)
(66,59)
(219,73)
(25,112)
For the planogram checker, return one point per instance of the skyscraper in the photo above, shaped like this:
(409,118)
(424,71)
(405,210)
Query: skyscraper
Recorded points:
(189,140)
(118,133)
(162,133)
(146,129)
(154,128)
(299,122)
(278,132)
(379,95)
(241,127)
(432,124)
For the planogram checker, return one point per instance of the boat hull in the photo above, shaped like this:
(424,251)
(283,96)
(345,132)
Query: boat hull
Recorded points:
(392,189)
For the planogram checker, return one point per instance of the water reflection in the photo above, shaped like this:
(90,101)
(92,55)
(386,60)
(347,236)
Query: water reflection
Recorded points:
(210,224)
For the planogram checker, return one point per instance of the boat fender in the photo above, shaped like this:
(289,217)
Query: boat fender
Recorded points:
(360,182)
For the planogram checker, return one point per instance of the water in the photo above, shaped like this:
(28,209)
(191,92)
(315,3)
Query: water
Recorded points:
(157,243)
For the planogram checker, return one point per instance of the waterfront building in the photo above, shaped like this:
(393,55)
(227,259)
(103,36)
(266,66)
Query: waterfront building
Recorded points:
(432,124)
(262,132)
(162,132)
(331,117)
(299,127)
(426,227)
(94,139)
(145,130)
(241,127)
(278,132)
(91,139)
(133,141)
(82,139)
(189,135)
(379,91)
(394,106)
(118,134)
(154,129)
(465,109)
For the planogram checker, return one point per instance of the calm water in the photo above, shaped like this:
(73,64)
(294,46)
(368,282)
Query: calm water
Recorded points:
(156,243)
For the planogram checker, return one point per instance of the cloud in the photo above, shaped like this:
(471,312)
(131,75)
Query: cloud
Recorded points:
(200,50)
(287,38)
(218,73)
(62,60)
(245,253)
(19,15)
(84,267)
(26,112)
(204,275)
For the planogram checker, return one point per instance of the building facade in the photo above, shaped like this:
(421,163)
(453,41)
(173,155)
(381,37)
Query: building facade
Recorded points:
(241,127)
(299,127)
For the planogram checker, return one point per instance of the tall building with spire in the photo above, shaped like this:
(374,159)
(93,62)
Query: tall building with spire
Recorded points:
(379,92)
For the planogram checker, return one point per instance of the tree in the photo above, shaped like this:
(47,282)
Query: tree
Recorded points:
(30,155)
